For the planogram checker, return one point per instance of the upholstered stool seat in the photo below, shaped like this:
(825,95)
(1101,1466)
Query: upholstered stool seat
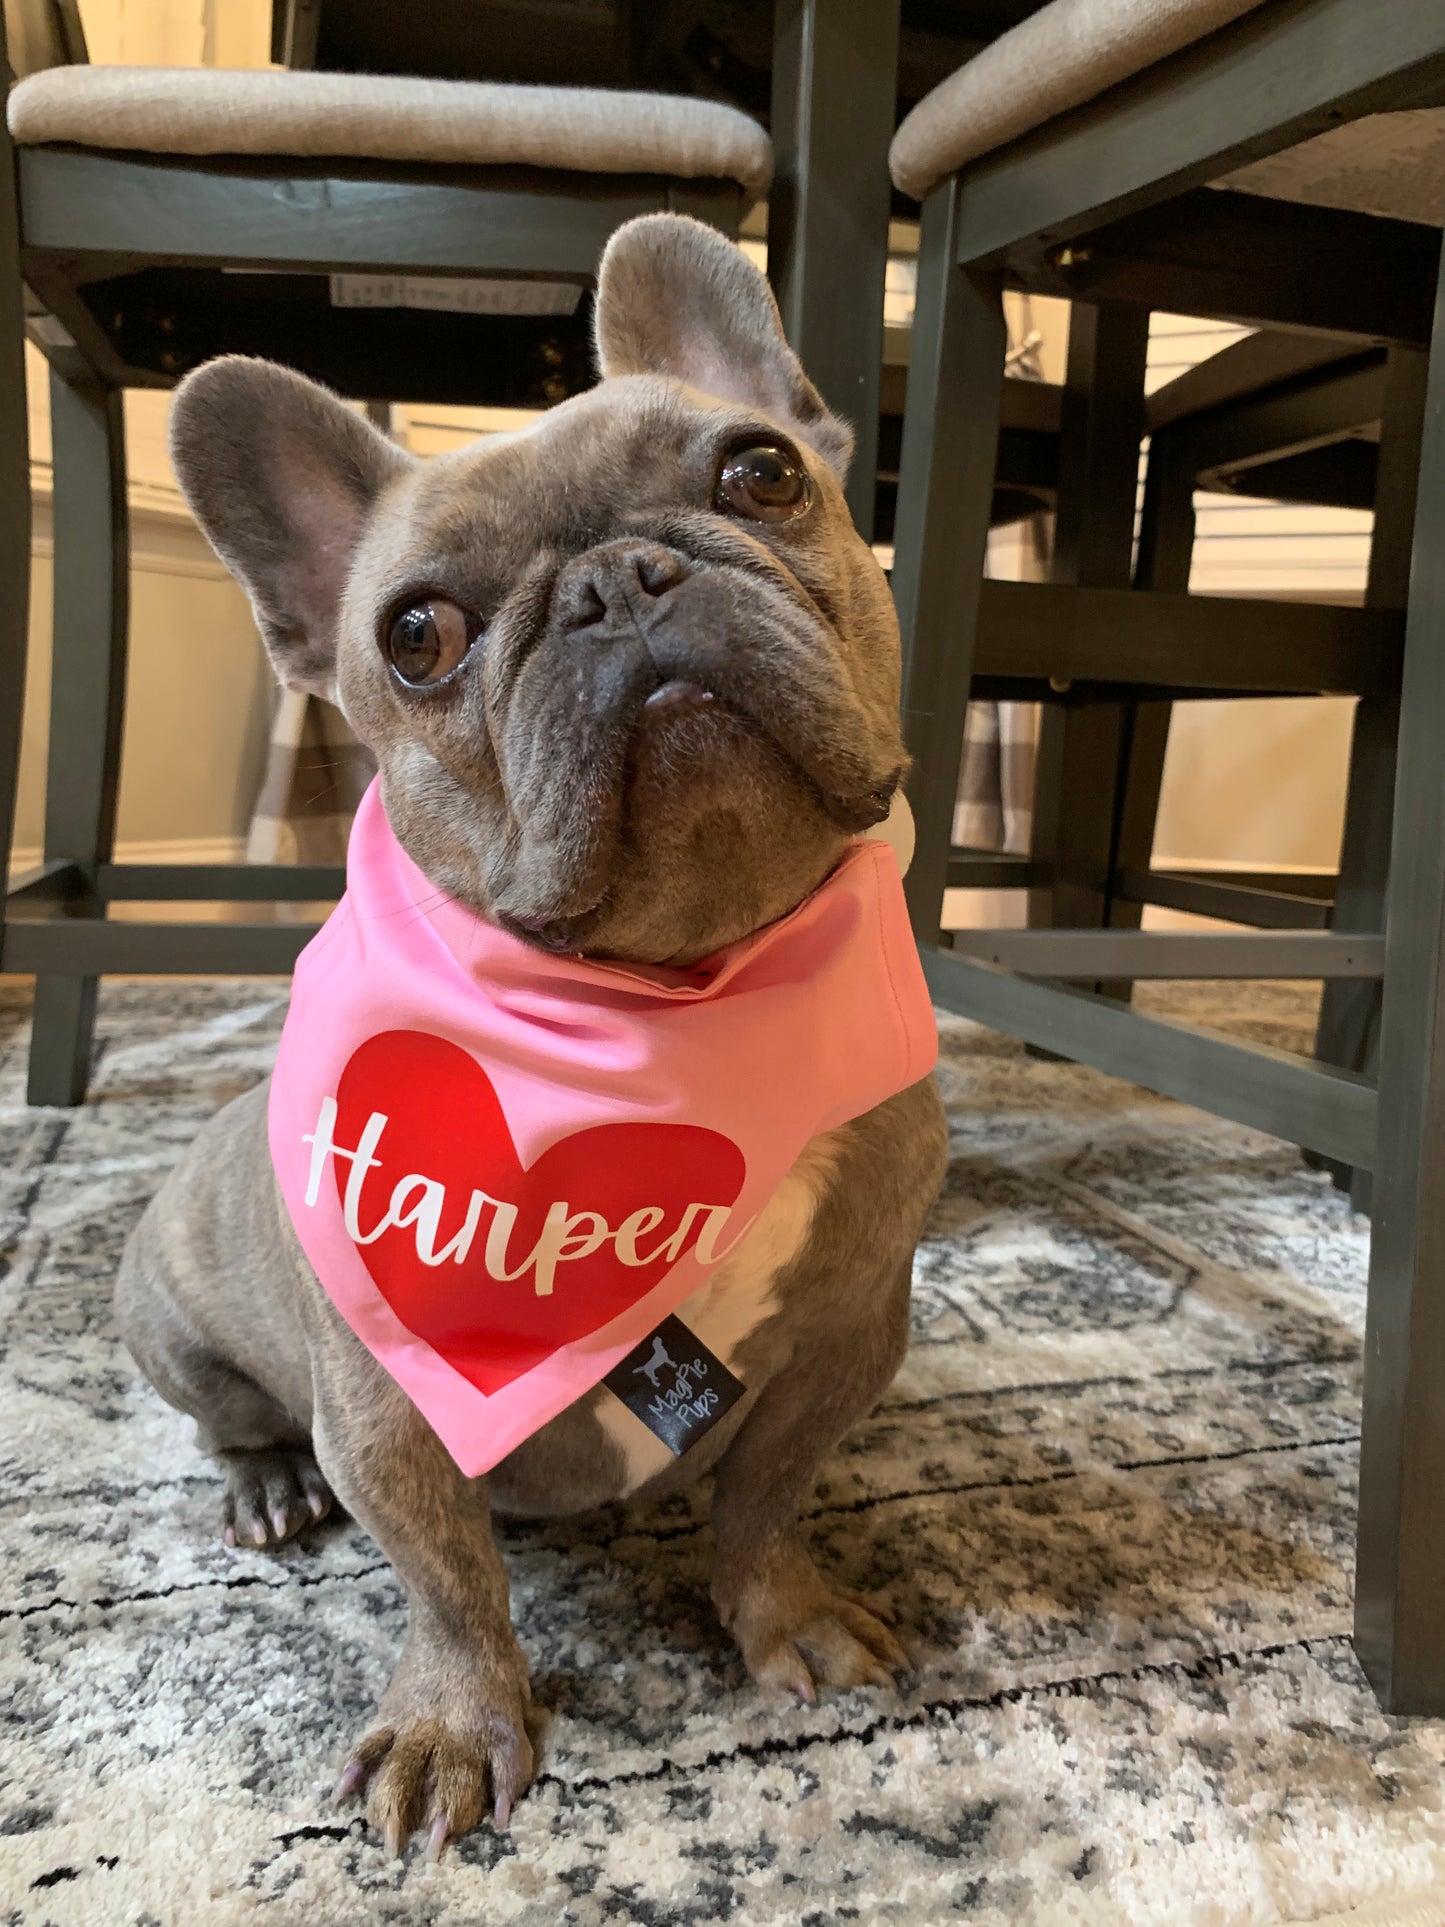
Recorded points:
(1065,54)
(396,238)
(1391,164)
(188,110)
(1072,51)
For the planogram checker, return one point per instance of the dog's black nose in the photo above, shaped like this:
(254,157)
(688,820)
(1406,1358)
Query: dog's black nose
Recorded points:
(624,580)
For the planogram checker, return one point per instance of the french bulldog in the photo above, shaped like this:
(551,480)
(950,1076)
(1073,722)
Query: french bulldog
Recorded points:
(688,511)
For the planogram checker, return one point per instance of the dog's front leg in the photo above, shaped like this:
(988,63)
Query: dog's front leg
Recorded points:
(796,1629)
(451,1737)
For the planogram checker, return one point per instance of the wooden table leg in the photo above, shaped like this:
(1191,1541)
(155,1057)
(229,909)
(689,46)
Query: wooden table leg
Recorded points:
(1084,749)
(945,499)
(1349,1026)
(14,502)
(87,699)
(1163,564)
(1400,1574)
(835,77)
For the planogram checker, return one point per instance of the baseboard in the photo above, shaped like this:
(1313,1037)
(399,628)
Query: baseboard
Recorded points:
(178,849)
(1245,863)
(163,539)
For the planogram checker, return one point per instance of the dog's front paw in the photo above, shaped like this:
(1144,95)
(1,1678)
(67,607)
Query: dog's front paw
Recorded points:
(797,1632)
(271,1495)
(444,1753)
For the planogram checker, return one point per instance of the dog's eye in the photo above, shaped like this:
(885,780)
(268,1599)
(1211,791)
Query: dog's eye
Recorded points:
(766,482)
(427,641)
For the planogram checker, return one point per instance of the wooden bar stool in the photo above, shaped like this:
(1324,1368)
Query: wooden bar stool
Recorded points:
(1213,159)
(158,217)
(1324,428)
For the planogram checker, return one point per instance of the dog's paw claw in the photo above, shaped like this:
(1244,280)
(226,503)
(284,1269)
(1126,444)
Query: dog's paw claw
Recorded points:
(875,1607)
(842,1649)
(806,1633)
(270,1496)
(426,1773)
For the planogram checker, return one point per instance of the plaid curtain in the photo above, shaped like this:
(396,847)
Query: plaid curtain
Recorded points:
(995,803)
(315,774)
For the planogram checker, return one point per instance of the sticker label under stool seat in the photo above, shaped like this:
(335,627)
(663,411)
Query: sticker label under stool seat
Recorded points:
(451,294)
(675,1385)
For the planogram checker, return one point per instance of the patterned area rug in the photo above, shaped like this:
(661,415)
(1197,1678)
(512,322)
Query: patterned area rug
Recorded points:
(1111,1495)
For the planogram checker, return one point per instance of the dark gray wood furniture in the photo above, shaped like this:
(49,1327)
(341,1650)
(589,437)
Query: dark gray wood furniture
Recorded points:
(1109,204)
(1291,418)
(126,259)
(829,76)
(1307,423)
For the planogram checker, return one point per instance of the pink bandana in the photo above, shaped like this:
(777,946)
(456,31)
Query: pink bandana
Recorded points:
(507,1167)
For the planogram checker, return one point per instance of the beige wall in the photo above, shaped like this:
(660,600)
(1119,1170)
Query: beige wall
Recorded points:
(178,33)
(197,695)
(1255,784)
(198,691)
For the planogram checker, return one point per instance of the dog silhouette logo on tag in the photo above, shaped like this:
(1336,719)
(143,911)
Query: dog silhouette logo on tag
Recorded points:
(675,1385)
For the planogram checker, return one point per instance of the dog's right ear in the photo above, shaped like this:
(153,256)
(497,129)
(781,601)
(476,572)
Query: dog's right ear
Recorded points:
(281,475)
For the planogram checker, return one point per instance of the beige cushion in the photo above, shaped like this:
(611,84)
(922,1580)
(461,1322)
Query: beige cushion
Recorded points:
(199,110)
(1061,56)
(1384,164)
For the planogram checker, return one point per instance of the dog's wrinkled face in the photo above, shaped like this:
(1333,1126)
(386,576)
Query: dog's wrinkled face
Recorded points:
(630,675)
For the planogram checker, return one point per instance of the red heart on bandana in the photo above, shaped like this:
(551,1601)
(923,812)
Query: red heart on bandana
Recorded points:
(445,1124)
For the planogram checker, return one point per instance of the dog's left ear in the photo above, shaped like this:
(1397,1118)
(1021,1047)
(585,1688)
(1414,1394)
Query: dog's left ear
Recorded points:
(283,478)
(674,297)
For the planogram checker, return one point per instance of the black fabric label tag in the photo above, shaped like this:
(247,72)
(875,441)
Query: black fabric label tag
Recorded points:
(674,1385)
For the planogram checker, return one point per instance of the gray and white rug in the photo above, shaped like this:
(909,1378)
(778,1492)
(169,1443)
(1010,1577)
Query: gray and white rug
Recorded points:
(1111,1495)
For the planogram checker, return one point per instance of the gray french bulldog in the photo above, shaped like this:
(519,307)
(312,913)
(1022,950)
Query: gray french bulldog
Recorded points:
(685,519)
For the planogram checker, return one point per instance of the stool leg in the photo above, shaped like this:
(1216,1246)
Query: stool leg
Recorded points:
(1084,748)
(1400,1571)
(1076,781)
(87,699)
(945,498)
(835,69)
(1348,1032)
(1166,524)
(14,505)
(1145,742)
(1166,555)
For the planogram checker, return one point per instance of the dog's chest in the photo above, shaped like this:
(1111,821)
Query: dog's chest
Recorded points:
(736,1299)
